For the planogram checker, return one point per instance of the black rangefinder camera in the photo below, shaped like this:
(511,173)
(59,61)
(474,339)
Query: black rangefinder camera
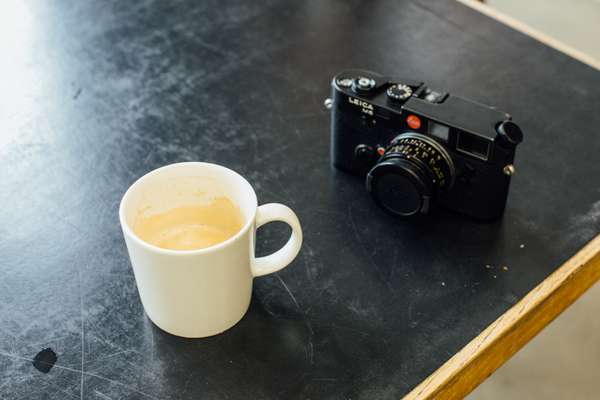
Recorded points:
(417,146)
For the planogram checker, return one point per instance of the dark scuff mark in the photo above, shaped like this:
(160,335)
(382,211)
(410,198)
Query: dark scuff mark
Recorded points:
(44,360)
(77,93)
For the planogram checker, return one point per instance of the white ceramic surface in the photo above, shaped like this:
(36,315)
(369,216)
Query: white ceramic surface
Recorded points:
(199,293)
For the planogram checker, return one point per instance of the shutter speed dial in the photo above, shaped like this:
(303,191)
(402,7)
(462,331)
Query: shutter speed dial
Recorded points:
(399,92)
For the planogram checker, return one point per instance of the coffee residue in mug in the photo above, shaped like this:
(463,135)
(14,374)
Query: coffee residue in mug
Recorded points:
(191,227)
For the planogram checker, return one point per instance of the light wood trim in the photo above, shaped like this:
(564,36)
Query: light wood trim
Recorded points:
(534,33)
(513,329)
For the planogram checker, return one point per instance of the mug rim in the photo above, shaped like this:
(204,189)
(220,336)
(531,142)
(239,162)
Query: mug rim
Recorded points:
(128,231)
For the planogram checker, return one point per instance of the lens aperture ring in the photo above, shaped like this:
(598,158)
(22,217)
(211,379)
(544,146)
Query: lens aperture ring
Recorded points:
(425,151)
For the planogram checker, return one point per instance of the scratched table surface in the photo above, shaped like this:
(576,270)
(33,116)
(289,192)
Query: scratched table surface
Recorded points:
(95,94)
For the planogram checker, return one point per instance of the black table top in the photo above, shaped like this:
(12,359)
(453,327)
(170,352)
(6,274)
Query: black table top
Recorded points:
(95,94)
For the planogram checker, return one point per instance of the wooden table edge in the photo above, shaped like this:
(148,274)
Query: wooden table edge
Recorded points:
(513,329)
(516,327)
(534,33)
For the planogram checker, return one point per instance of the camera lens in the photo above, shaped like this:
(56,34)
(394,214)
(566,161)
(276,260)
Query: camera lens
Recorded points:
(411,171)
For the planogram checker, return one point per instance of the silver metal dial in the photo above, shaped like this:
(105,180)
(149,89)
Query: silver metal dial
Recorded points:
(399,91)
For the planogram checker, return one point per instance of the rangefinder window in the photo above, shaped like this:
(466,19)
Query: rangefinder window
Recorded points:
(473,145)
(439,131)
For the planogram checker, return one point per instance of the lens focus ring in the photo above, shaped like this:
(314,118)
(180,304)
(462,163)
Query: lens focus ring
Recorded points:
(415,146)
(413,168)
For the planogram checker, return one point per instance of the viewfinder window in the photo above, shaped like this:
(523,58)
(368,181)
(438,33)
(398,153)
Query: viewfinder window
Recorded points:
(439,131)
(473,145)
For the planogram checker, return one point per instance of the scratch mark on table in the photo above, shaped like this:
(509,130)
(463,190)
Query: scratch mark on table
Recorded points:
(394,263)
(9,333)
(153,348)
(310,351)
(82,329)
(54,339)
(109,356)
(310,347)
(61,390)
(97,335)
(16,379)
(27,327)
(102,395)
(150,154)
(119,384)
(83,373)
(368,255)
(353,225)
(337,326)
(287,289)
(277,150)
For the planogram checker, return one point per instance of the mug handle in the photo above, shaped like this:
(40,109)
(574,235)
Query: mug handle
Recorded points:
(284,256)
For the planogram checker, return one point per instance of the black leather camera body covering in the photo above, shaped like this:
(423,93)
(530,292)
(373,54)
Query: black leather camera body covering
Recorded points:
(417,146)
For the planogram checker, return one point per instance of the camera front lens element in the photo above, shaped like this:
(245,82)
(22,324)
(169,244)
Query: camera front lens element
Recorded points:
(412,170)
(399,187)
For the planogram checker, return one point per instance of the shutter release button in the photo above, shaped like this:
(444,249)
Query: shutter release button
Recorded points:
(363,84)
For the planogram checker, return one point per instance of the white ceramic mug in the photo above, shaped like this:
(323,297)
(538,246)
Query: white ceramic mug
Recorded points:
(199,293)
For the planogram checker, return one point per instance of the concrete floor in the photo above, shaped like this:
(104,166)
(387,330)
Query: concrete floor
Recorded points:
(563,361)
(576,23)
